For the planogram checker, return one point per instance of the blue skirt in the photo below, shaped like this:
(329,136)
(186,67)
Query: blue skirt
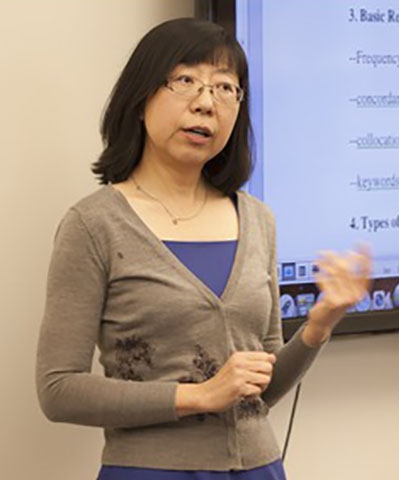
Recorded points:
(273,471)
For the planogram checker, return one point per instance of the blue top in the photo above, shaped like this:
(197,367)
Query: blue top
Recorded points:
(211,262)
(273,471)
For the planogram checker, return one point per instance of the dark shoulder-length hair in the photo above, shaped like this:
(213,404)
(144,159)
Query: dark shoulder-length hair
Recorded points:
(181,41)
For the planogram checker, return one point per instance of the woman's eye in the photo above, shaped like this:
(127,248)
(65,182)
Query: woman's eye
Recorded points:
(226,87)
(185,79)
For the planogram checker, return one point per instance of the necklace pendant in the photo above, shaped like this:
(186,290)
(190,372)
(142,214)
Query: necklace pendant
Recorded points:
(175,221)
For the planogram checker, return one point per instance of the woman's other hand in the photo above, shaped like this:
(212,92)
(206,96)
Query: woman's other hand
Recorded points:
(244,374)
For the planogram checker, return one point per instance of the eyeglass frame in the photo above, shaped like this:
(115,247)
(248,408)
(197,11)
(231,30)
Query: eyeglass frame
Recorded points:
(239,97)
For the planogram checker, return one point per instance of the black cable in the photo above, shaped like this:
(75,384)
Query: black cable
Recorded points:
(291,422)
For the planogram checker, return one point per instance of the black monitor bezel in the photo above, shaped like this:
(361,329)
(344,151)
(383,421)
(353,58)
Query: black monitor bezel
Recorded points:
(218,11)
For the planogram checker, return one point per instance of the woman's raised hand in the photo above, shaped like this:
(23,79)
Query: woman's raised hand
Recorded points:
(343,281)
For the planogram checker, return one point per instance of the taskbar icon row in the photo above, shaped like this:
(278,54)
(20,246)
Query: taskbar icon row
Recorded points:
(299,305)
(300,272)
(296,271)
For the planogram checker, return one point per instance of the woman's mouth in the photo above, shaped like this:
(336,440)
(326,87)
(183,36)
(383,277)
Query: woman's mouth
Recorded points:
(197,135)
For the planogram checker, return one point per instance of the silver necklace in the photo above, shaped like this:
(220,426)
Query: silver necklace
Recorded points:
(175,219)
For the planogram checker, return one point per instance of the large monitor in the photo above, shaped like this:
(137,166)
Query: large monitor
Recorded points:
(324,82)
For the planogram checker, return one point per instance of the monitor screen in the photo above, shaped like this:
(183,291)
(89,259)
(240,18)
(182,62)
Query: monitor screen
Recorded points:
(324,80)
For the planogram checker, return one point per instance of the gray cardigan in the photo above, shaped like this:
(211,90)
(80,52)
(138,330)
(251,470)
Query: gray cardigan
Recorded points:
(113,283)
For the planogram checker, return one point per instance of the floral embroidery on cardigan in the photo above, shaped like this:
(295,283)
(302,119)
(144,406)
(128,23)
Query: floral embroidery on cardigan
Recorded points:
(132,352)
(204,368)
(252,407)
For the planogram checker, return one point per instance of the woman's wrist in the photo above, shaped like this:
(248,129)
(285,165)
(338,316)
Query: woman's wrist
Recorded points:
(318,327)
(189,399)
(314,336)
(322,319)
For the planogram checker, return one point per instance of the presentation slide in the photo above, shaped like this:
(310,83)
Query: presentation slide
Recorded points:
(330,135)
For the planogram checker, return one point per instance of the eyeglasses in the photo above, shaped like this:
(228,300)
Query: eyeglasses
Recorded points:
(190,87)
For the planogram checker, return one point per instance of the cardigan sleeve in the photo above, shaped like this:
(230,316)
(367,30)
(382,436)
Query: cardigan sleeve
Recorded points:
(67,389)
(295,357)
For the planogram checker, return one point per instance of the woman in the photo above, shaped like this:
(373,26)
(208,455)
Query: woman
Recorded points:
(171,270)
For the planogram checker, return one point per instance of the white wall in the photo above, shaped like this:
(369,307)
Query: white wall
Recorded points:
(347,421)
(59,60)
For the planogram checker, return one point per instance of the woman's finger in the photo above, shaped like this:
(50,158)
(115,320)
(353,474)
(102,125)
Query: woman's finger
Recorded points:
(344,279)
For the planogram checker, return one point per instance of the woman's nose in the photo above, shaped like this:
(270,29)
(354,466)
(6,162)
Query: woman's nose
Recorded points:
(204,100)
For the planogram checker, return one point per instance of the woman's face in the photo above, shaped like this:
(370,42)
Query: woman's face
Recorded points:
(190,130)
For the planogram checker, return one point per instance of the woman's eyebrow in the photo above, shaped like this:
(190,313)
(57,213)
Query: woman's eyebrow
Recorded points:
(192,70)
(225,70)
